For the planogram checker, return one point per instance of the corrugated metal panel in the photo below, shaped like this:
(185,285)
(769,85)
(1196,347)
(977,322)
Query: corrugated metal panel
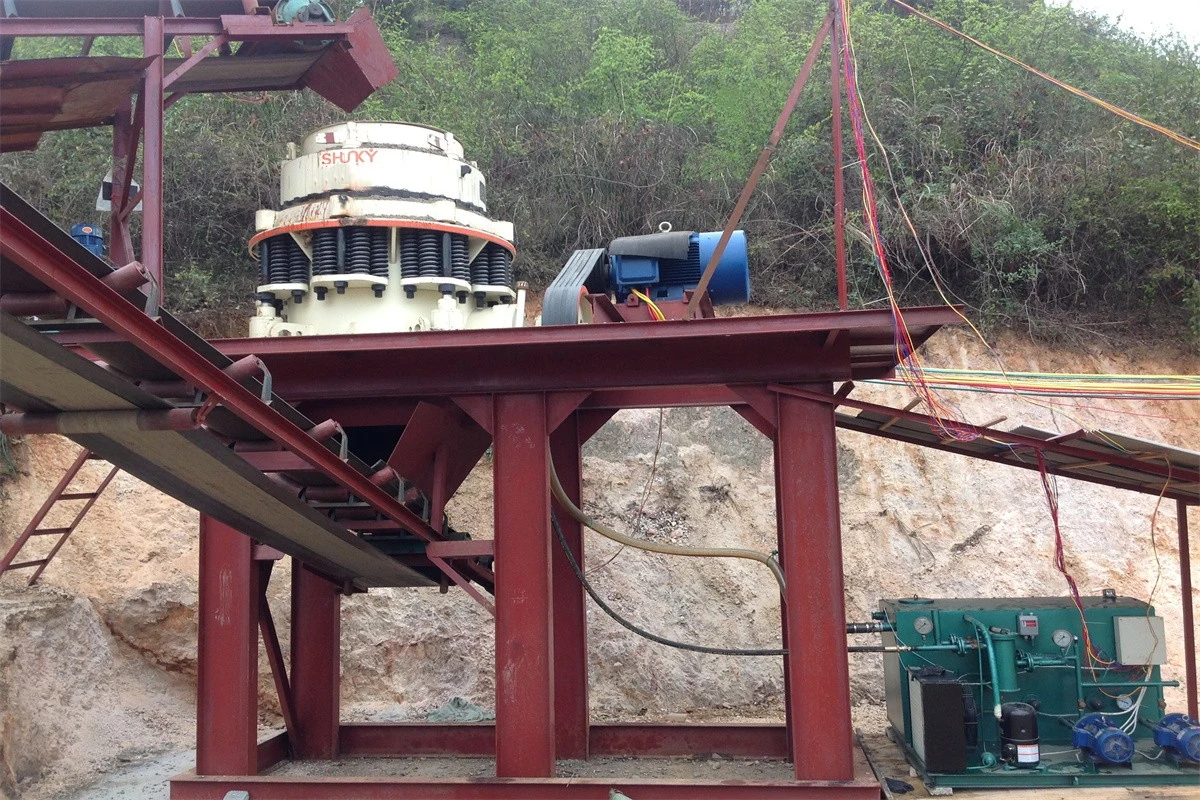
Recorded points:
(62,93)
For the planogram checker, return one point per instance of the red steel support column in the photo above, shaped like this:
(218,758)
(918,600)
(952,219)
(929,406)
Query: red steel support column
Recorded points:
(821,740)
(119,249)
(1189,617)
(316,663)
(783,604)
(152,155)
(524,630)
(227,653)
(571,714)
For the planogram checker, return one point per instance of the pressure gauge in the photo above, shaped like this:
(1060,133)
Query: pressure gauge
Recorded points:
(1063,638)
(1124,702)
(923,625)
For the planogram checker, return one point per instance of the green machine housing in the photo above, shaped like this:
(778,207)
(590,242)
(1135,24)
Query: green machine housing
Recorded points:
(969,656)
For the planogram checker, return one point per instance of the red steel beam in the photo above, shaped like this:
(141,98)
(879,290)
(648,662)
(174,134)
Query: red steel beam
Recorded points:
(663,397)
(227,653)
(524,647)
(771,428)
(465,548)
(271,751)
(120,242)
(270,640)
(747,740)
(822,739)
(107,26)
(1189,617)
(38,257)
(785,348)
(194,59)
(153,45)
(238,27)
(390,740)
(375,788)
(760,166)
(571,710)
(397,740)
(316,663)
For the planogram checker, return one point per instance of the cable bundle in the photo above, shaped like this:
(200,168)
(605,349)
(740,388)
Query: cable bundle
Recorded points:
(1048,384)
(913,372)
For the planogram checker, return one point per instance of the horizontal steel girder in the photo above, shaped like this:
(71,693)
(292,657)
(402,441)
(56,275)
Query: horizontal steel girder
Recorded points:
(738,740)
(787,348)
(375,788)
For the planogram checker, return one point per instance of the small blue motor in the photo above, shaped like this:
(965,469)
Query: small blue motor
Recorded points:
(90,237)
(1180,734)
(289,11)
(1103,742)
(668,264)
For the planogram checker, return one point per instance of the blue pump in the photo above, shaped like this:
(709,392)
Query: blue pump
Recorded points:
(666,265)
(1103,742)
(90,237)
(1180,734)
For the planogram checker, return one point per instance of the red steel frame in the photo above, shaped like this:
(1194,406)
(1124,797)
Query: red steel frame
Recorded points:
(1189,615)
(534,413)
(143,123)
(541,647)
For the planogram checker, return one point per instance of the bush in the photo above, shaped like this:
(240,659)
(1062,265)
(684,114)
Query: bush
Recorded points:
(599,119)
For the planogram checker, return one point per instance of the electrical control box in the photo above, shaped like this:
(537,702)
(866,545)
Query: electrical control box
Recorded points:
(1140,641)
(957,663)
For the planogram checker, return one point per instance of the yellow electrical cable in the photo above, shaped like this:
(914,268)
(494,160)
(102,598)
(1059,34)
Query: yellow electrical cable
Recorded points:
(913,380)
(655,312)
(1160,387)
(667,549)
(1120,112)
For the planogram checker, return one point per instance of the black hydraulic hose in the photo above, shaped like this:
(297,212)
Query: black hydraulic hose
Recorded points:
(695,648)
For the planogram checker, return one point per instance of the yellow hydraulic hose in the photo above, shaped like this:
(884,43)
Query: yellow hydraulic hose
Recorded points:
(654,547)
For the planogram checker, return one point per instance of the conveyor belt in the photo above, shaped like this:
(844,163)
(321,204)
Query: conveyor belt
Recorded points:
(192,466)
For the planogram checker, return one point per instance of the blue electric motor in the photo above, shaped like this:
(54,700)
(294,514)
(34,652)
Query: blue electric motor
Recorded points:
(289,11)
(665,265)
(1103,742)
(90,237)
(1180,734)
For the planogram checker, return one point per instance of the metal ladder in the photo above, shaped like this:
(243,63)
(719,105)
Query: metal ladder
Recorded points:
(59,494)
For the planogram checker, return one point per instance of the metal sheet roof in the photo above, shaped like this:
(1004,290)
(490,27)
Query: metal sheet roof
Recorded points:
(49,94)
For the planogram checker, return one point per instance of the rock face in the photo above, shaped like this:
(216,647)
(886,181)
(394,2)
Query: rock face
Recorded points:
(99,660)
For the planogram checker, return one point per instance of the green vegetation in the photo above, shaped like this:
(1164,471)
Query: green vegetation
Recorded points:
(601,118)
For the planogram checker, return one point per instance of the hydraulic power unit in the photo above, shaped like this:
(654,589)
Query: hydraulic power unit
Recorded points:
(383,227)
(1033,692)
